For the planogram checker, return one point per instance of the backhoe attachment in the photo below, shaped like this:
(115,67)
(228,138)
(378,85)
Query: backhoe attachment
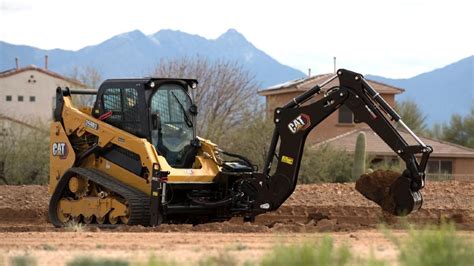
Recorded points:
(398,194)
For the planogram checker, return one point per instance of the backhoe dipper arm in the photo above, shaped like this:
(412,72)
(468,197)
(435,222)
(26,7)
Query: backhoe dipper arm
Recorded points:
(293,123)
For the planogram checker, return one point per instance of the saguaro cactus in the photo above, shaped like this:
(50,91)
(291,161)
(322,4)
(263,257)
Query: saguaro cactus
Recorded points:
(358,168)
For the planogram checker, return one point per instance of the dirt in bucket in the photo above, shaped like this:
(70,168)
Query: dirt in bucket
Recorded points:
(376,187)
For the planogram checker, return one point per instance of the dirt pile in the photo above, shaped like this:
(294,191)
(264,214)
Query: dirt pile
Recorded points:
(26,203)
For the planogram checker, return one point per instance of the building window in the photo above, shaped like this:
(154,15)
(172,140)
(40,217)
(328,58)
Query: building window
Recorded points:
(345,115)
(32,98)
(20,98)
(8,98)
(439,169)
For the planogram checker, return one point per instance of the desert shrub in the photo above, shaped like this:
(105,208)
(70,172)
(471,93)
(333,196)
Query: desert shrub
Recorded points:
(395,165)
(222,259)
(87,261)
(25,260)
(73,226)
(250,139)
(323,253)
(325,164)
(153,261)
(435,246)
(24,153)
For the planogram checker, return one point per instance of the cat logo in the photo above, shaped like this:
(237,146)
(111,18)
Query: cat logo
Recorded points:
(60,150)
(302,122)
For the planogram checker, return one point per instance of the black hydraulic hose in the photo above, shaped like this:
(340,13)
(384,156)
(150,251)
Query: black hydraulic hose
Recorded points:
(244,159)
(219,203)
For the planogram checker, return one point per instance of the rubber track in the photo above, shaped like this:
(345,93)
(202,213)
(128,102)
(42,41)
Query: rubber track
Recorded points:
(138,202)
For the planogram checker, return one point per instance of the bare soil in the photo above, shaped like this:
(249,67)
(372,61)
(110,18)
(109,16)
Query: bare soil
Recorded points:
(310,213)
(311,208)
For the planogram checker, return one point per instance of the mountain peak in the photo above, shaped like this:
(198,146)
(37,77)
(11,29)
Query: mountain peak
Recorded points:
(232,35)
(134,34)
(167,35)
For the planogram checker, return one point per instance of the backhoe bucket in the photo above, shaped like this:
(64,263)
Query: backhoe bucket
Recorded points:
(391,191)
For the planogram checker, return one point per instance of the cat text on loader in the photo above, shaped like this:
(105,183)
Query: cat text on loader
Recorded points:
(134,157)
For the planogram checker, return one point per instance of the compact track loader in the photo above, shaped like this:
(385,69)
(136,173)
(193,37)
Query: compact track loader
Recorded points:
(134,157)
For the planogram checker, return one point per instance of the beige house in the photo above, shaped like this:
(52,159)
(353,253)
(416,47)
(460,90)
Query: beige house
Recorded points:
(447,161)
(340,121)
(28,93)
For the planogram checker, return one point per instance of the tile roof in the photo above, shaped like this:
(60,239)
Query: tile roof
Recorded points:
(13,71)
(376,146)
(304,84)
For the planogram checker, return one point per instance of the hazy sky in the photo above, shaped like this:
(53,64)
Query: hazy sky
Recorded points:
(391,38)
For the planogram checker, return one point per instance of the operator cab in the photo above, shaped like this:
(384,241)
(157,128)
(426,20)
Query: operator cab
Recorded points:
(160,110)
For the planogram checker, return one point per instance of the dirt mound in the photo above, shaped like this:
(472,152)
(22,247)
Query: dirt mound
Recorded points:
(311,208)
(25,203)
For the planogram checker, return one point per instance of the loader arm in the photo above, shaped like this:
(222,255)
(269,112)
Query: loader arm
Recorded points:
(293,123)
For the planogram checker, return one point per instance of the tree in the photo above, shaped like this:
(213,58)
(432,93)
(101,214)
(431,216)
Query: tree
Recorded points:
(459,130)
(226,93)
(412,115)
(325,164)
(90,77)
(251,138)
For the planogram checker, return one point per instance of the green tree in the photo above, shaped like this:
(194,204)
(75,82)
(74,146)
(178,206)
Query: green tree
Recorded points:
(325,164)
(459,130)
(412,115)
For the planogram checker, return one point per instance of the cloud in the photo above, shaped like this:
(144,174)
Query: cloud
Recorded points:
(13,7)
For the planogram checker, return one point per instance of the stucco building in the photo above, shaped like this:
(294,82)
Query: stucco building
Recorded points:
(448,161)
(341,121)
(28,93)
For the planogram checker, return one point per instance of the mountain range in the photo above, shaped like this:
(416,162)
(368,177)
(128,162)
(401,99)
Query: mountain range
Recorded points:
(439,93)
(136,54)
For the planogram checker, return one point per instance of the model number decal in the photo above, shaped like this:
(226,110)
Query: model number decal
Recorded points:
(59,149)
(91,124)
(300,123)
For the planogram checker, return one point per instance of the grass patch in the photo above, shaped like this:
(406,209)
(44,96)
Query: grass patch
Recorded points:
(153,261)
(73,226)
(323,253)
(48,247)
(222,259)
(25,260)
(83,261)
(433,246)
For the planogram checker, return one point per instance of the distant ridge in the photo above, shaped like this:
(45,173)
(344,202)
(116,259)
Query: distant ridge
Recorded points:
(136,54)
(441,92)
